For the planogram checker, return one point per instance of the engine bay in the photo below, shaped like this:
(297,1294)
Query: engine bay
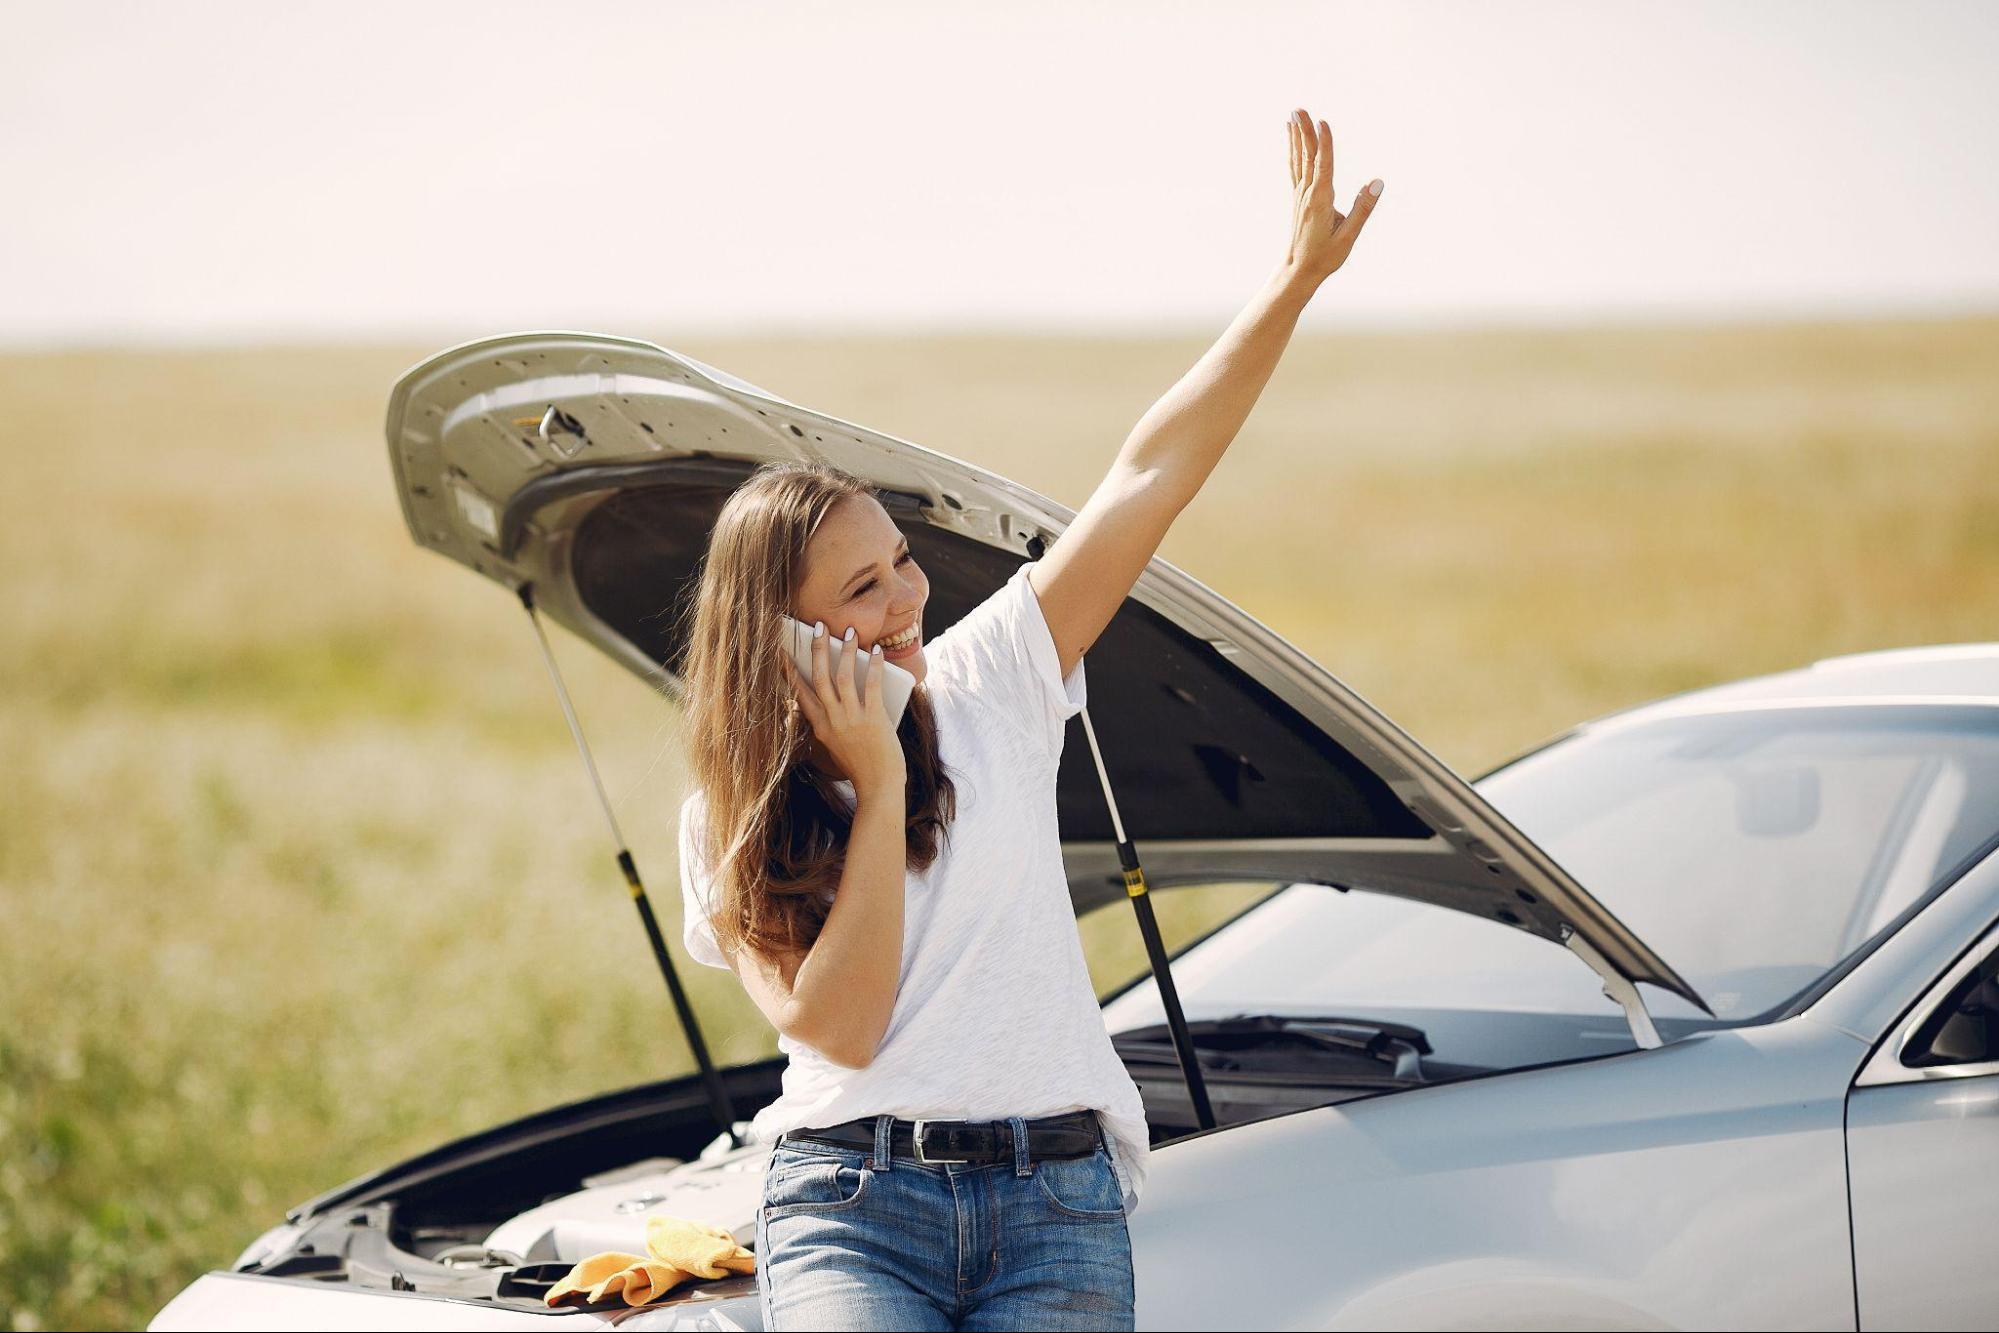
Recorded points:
(498,1219)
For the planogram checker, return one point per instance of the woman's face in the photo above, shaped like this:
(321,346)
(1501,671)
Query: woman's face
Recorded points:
(859,573)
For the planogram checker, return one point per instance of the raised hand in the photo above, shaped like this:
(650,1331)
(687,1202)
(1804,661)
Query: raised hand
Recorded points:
(1321,236)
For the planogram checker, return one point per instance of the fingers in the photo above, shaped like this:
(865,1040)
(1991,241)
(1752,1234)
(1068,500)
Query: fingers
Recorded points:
(848,674)
(1315,217)
(822,675)
(1312,155)
(1363,208)
(871,689)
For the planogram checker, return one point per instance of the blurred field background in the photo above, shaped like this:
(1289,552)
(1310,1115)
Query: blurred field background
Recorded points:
(300,873)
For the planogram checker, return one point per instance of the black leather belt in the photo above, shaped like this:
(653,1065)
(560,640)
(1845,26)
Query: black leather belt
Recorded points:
(1074,1134)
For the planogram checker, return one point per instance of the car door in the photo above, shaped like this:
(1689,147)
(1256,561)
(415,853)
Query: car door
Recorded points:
(1922,1143)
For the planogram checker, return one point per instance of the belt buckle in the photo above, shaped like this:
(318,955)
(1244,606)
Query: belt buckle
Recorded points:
(916,1143)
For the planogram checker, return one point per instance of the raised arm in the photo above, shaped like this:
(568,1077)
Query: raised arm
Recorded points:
(1085,576)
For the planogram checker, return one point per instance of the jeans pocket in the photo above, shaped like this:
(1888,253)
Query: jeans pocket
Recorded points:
(1085,1189)
(813,1184)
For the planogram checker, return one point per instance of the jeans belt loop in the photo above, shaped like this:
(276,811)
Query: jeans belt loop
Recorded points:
(1021,1164)
(884,1126)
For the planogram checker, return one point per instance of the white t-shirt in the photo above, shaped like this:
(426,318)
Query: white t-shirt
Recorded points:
(994,1012)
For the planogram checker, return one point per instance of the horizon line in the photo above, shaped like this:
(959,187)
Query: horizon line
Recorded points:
(1630,319)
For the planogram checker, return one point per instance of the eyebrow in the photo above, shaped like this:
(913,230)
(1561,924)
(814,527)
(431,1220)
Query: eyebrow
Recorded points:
(869,569)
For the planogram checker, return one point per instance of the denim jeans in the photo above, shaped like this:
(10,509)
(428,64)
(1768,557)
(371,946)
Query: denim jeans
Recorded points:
(852,1238)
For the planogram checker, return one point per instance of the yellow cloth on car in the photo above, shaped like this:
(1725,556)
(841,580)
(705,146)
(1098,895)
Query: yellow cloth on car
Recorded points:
(677,1250)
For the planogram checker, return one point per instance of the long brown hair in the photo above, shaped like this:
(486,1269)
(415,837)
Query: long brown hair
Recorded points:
(775,830)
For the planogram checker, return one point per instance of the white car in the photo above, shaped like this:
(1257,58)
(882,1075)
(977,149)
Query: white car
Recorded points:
(1430,1080)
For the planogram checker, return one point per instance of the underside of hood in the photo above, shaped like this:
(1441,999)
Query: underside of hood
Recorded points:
(593,468)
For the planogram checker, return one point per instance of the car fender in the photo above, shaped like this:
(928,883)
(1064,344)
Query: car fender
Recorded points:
(1695,1184)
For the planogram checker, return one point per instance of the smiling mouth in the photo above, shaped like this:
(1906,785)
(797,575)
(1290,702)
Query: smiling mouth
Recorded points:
(897,642)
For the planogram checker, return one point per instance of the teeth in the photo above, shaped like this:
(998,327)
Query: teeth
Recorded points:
(901,640)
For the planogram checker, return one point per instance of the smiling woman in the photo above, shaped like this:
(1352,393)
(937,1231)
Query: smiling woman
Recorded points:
(895,900)
(776,824)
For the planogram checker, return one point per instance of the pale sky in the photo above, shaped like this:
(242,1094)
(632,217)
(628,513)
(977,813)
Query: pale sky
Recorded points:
(242,172)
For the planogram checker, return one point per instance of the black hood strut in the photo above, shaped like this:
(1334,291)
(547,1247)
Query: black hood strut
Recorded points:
(718,1095)
(1155,948)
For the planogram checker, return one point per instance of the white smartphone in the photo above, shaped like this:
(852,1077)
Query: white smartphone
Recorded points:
(895,683)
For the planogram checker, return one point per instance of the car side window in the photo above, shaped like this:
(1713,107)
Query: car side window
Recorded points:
(1964,1030)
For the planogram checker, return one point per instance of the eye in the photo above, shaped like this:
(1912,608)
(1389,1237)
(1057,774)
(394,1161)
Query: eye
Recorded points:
(905,559)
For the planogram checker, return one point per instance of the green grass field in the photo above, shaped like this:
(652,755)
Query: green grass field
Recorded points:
(299,871)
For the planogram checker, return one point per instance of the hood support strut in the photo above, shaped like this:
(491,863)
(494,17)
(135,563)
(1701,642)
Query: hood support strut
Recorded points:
(718,1094)
(1617,987)
(1155,948)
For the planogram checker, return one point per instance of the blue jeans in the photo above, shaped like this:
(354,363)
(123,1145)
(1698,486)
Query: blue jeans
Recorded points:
(852,1238)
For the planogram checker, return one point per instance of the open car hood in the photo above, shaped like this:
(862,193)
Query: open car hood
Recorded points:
(594,467)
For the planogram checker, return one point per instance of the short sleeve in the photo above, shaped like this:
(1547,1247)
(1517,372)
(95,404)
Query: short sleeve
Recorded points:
(697,934)
(1003,651)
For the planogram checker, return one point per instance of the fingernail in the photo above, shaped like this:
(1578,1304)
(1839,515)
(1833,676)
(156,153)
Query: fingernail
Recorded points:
(850,634)
(818,629)
(878,650)
(1375,189)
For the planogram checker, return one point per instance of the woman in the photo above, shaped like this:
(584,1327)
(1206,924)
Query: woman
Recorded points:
(818,836)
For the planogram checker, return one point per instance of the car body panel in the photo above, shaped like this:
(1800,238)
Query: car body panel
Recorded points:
(590,468)
(1698,1184)
(1922,1144)
(1924,1160)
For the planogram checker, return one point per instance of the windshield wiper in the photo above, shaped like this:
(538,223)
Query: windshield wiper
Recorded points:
(1400,1046)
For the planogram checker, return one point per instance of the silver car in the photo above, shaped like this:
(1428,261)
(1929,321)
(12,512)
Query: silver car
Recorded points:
(1428,1079)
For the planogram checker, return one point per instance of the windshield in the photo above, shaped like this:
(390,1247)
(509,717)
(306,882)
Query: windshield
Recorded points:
(1755,850)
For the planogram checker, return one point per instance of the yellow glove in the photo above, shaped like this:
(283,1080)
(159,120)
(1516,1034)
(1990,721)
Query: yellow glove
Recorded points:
(677,1250)
(697,1248)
